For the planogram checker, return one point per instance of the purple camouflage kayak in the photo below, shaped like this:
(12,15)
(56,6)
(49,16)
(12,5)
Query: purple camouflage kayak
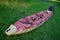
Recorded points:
(30,22)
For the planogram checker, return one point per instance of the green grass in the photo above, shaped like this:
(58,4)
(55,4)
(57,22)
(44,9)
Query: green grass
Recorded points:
(10,12)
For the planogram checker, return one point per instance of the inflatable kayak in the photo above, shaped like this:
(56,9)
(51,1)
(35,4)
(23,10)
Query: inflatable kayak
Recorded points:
(29,23)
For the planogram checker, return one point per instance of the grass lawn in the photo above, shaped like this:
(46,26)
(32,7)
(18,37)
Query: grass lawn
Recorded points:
(11,11)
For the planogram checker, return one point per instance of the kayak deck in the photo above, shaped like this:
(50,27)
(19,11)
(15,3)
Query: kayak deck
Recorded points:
(31,22)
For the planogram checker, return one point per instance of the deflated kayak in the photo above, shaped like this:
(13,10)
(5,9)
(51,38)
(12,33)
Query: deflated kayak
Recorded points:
(30,22)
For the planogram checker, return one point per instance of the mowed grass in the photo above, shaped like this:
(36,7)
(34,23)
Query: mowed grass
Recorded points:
(10,12)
